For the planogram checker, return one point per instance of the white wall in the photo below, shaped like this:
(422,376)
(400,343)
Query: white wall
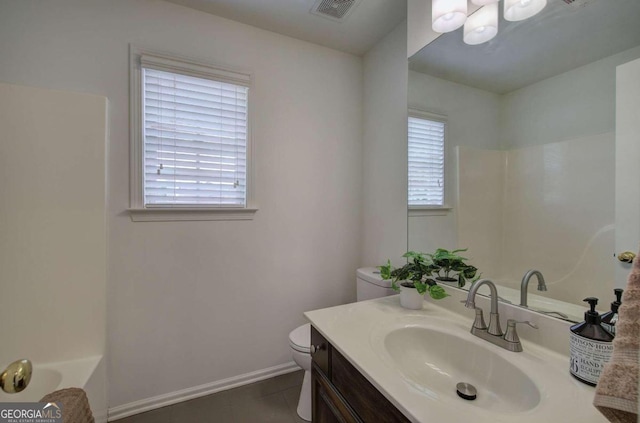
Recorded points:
(190,303)
(384,227)
(418,34)
(568,106)
(52,224)
(472,120)
(480,211)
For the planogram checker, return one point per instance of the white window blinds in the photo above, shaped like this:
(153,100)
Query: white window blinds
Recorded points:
(426,162)
(195,141)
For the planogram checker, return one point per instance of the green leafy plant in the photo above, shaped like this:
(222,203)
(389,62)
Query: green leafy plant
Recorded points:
(450,267)
(415,274)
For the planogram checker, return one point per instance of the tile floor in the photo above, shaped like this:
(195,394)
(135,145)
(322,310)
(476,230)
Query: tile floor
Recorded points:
(268,401)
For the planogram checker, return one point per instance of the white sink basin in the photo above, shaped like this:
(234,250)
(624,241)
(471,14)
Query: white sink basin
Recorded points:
(435,360)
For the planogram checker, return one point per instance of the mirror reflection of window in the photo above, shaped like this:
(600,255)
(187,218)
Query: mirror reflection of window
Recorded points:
(426,160)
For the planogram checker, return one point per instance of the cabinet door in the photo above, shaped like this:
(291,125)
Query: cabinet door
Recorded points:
(328,406)
(363,398)
(320,352)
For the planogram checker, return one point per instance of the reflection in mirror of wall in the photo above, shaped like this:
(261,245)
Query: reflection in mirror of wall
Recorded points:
(530,148)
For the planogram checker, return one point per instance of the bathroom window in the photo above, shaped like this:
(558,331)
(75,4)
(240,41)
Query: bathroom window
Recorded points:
(426,137)
(191,140)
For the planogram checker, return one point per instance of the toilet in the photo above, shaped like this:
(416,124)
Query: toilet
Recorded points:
(369,285)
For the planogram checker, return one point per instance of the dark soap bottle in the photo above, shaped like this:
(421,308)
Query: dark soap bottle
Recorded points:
(610,318)
(590,346)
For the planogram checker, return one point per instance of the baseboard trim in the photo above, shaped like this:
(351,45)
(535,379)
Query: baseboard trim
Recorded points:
(148,404)
(100,417)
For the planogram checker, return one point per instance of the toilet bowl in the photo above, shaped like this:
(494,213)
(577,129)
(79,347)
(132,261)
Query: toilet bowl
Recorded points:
(369,285)
(300,342)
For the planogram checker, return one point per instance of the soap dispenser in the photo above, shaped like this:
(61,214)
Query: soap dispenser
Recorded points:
(590,346)
(610,318)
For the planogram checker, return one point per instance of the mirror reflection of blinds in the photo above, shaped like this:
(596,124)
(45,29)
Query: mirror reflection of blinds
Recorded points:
(426,162)
(195,141)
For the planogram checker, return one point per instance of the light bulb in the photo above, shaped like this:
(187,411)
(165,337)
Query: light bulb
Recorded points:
(482,26)
(518,10)
(448,15)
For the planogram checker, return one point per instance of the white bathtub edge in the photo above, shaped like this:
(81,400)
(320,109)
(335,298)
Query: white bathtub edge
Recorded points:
(89,374)
(75,373)
(148,404)
(96,389)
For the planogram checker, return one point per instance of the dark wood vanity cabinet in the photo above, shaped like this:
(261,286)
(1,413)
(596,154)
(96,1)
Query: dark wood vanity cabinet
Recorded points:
(340,393)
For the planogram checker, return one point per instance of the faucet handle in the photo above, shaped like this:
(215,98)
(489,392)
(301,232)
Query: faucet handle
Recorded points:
(479,323)
(494,325)
(511,335)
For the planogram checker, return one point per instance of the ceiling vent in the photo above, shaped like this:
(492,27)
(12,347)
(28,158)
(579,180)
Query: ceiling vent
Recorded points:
(337,10)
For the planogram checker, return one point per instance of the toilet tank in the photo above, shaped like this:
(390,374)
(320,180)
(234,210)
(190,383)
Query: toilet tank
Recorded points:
(370,285)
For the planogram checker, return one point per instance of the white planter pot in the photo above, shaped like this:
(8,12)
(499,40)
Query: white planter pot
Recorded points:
(410,298)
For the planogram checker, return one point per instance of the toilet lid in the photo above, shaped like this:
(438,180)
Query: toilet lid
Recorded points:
(300,338)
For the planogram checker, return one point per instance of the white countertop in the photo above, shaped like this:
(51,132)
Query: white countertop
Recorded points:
(354,330)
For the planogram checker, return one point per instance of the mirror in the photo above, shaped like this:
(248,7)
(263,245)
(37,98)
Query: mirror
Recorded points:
(530,149)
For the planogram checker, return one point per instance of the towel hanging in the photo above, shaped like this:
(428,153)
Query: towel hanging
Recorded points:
(617,391)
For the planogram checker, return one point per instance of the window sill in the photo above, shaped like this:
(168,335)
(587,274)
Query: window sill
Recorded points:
(417,211)
(190,214)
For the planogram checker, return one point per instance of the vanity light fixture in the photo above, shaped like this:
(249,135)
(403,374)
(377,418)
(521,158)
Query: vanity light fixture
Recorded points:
(448,15)
(482,26)
(519,10)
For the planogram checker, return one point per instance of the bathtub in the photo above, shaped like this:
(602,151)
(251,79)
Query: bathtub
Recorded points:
(85,373)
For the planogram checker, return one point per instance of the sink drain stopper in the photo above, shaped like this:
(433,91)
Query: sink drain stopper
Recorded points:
(466,391)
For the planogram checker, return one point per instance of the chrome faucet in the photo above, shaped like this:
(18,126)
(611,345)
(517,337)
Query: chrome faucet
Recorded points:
(509,340)
(542,286)
(494,318)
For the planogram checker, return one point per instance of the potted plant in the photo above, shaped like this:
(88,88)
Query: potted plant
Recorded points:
(413,280)
(450,267)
